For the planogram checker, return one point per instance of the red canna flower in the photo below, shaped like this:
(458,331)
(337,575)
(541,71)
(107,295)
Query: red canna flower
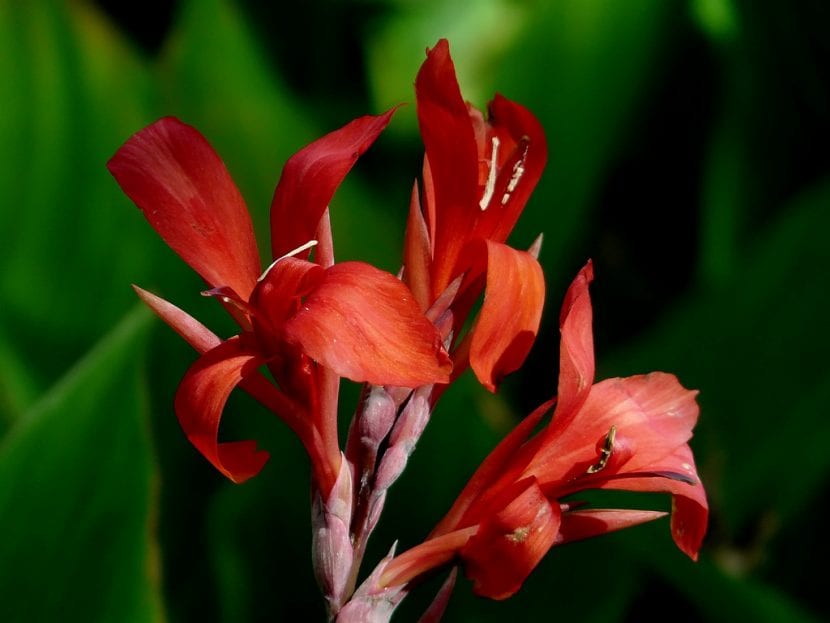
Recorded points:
(478,176)
(309,321)
(622,433)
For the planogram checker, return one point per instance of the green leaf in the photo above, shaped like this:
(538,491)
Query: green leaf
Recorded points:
(17,387)
(71,92)
(76,495)
(715,594)
(395,51)
(757,352)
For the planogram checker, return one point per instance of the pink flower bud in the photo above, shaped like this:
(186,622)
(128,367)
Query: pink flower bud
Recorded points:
(332,551)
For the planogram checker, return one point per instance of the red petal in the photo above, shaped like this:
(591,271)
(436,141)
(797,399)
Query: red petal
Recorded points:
(690,509)
(430,554)
(519,130)
(311,177)
(184,190)
(194,332)
(200,399)
(509,544)
(417,253)
(451,150)
(203,339)
(439,604)
(495,465)
(576,351)
(652,414)
(584,524)
(509,319)
(277,297)
(365,325)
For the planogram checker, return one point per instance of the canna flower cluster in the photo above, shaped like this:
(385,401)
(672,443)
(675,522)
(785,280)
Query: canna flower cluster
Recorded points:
(306,321)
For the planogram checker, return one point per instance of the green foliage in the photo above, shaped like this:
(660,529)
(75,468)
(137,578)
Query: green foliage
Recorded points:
(77,483)
(728,291)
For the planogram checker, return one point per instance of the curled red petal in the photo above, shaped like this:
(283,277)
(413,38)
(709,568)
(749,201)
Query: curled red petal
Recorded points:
(311,177)
(184,190)
(690,508)
(199,403)
(365,325)
(509,319)
(451,151)
(510,543)
(576,350)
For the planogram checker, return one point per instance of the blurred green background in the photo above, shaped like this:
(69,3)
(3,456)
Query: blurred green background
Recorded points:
(689,158)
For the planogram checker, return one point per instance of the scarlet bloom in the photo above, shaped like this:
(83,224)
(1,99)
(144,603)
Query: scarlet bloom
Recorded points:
(621,433)
(310,321)
(478,176)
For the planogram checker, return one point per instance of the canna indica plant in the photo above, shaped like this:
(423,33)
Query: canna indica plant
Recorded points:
(310,321)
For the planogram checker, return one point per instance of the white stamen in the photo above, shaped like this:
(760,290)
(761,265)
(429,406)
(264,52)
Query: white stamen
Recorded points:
(490,186)
(300,249)
(518,171)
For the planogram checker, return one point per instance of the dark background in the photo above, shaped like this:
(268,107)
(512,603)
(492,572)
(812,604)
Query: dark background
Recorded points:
(689,159)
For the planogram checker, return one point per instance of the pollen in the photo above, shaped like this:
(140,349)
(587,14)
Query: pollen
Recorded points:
(519,535)
(518,172)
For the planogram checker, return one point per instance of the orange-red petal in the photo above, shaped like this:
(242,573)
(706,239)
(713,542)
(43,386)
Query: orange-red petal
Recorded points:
(497,463)
(509,319)
(191,330)
(652,415)
(583,524)
(690,508)
(576,351)
(199,403)
(417,253)
(365,324)
(510,543)
(184,190)
(452,154)
(311,177)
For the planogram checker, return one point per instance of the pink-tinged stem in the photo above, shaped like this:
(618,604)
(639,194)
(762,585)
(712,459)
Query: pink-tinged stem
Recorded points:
(370,427)
(425,557)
